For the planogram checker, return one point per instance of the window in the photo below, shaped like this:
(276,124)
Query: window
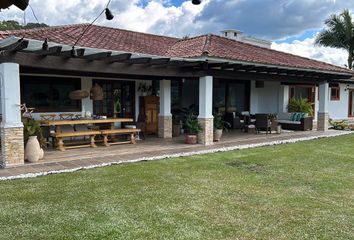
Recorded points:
(50,94)
(335,94)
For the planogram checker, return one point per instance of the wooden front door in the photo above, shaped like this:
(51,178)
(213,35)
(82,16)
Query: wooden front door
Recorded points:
(150,107)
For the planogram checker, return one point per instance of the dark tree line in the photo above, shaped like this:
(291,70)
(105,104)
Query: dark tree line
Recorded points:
(14,25)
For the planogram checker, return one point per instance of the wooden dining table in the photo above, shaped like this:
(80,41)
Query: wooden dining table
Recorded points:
(58,123)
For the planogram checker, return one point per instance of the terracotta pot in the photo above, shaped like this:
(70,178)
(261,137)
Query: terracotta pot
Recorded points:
(33,150)
(217,135)
(191,139)
(176,130)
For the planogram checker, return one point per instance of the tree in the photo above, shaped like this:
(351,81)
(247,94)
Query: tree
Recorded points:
(339,34)
(14,25)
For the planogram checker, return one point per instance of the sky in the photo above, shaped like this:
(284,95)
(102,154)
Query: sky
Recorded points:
(292,25)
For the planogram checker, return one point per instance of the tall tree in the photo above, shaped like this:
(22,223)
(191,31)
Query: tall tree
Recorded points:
(339,34)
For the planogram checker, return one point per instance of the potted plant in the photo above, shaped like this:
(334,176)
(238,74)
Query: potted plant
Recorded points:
(33,140)
(144,89)
(274,123)
(219,125)
(176,125)
(300,105)
(193,128)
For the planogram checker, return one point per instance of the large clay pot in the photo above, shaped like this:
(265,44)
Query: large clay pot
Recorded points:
(217,135)
(176,130)
(191,139)
(33,150)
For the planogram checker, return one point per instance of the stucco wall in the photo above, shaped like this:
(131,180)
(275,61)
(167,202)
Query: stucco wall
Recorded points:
(339,109)
(265,100)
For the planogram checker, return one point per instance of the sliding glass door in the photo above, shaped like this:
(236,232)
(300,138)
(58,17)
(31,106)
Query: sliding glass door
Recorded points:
(230,96)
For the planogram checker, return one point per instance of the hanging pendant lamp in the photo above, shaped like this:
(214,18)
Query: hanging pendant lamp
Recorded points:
(109,15)
(196,2)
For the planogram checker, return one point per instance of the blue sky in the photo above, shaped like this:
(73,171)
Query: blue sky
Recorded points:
(290,24)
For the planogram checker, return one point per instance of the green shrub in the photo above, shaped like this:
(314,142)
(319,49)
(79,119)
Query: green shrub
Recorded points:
(300,105)
(339,124)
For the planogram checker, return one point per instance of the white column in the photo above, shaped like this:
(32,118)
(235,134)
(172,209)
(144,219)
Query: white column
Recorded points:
(205,117)
(12,151)
(165,98)
(206,97)
(322,118)
(87,103)
(165,116)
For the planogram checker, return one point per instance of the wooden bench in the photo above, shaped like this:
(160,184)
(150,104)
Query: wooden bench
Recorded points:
(60,136)
(119,131)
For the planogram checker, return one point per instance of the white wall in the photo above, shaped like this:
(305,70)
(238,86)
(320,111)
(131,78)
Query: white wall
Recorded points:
(339,109)
(265,100)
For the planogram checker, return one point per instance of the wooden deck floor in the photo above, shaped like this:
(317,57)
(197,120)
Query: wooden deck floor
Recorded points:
(151,147)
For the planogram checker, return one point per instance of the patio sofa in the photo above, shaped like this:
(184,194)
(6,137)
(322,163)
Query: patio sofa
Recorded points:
(297,122)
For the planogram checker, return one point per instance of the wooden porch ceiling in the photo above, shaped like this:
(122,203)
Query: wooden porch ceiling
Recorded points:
(59,58)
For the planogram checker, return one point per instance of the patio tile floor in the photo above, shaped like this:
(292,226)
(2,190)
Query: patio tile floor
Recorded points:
(151,147)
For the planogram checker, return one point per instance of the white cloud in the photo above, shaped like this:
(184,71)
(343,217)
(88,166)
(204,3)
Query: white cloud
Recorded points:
(307,49)
(155,16)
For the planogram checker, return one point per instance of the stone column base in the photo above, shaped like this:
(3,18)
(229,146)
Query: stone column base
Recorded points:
(12,147)
(322,121)
(206,135)
(165,127)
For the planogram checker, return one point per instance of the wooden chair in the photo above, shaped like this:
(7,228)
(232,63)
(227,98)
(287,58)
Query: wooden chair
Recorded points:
(263,122)
(141,124)
(47,130)
(66,116)
(48,117)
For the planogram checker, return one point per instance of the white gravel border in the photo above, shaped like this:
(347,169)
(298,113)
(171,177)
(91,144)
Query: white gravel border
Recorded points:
(181,154)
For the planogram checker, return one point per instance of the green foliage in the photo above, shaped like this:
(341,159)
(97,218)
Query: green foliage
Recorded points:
(272,116)
(339,124)
(339,34)
(219,122)
(32,127)
(176,119)
(300,105)
(144,88)
(192,125)
(14,25)
(183,113)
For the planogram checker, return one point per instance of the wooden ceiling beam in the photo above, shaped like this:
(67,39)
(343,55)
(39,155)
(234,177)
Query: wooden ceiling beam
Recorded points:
(54,51)
(97,56)
(159,61)
(140,60)
(17,46)
(119,57)
(69,53)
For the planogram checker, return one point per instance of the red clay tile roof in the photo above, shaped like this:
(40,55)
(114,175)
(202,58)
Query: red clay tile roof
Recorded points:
(201,46)
(220,47)
(99,37)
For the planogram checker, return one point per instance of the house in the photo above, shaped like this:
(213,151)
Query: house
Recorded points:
(40,67)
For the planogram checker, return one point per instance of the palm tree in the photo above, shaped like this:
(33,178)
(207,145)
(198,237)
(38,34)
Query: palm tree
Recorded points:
(339,34)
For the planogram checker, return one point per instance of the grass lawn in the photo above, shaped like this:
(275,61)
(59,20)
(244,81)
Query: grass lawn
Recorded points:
(297,191)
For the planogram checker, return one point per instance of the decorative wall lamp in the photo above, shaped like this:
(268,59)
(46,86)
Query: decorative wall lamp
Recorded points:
(346,87)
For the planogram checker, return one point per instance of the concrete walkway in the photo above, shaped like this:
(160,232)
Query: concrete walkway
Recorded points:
(150,149)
